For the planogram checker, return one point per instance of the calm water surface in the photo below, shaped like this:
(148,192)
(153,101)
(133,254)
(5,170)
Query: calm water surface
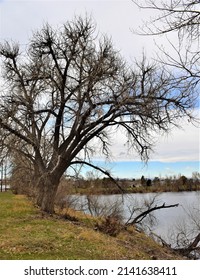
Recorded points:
(167,220)
(171,219)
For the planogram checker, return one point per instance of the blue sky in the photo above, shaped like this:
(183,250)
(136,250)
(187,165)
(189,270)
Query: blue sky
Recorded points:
(135,169)
(177,153)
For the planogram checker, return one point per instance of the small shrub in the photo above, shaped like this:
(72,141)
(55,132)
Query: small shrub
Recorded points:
(110,225)
(69,217)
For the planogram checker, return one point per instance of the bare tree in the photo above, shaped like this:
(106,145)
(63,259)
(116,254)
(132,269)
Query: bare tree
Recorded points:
(5,166)
(69,88)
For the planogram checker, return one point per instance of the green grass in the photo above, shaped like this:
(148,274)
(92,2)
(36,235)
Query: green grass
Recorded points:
(27,233)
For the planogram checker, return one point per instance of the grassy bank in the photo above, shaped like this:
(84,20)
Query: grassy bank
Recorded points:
(26,233)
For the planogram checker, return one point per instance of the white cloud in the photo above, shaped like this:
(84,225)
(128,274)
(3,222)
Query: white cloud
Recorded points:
(179,146)
(116,18)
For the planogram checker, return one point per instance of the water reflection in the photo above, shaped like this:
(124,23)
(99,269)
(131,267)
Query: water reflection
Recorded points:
(170,224)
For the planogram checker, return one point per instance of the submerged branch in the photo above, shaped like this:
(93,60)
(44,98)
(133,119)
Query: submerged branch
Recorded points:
(191,248)
(140,217)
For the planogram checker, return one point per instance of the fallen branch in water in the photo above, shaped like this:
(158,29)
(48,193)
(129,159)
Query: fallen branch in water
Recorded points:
(191,248)
(140,217)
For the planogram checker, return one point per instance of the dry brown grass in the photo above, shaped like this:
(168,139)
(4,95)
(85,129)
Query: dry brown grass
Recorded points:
(26,233)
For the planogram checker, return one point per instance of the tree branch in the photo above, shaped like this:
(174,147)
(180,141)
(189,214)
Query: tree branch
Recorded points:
(17,133)
(140,217)
(192,247)
(99,169)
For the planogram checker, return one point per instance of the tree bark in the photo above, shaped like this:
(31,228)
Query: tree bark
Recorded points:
(46,192)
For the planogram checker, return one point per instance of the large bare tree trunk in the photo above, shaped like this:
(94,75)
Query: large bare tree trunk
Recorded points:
(46,192)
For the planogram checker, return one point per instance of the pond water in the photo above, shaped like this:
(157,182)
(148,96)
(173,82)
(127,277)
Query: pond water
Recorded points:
(171,221)
(167,223)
